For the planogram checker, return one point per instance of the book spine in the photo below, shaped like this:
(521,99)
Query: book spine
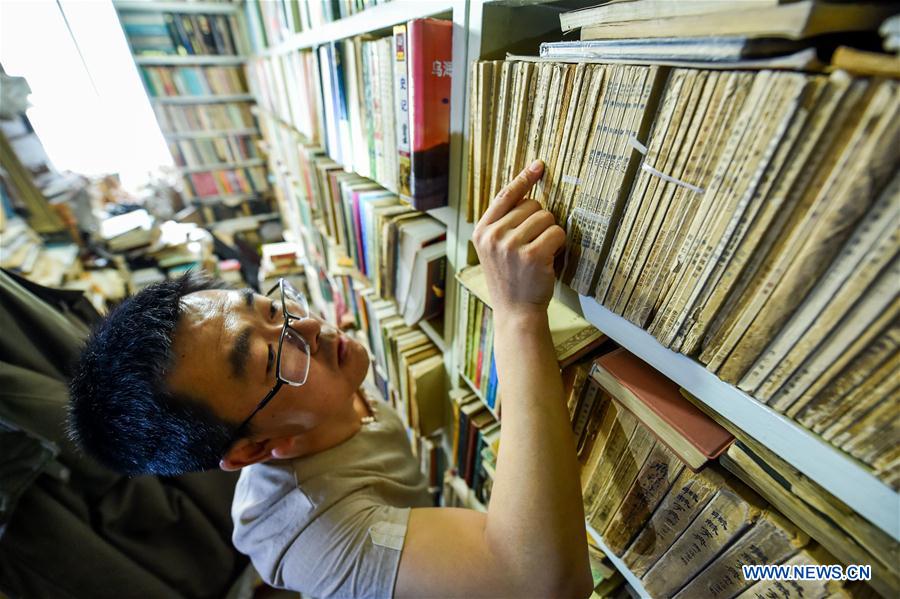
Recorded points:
(430,73)
(770,541)
(652,483)
(401,110)
(733,509)
(688,496)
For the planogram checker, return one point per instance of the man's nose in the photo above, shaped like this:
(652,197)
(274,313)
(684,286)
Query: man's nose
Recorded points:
(309,329)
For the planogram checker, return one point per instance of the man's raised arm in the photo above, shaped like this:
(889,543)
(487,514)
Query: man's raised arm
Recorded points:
(532,542)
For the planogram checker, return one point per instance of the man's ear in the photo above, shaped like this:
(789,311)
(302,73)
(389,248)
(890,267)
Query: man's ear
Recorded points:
(244,453)
(247,451)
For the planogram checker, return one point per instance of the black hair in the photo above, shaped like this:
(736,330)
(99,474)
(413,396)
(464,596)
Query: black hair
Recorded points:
(121,411)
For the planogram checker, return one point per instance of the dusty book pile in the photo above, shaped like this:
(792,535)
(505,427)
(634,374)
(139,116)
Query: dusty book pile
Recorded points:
(744,218)
(379,107)
(686,531)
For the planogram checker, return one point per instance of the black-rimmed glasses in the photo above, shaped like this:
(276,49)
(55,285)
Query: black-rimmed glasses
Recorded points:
(292,359)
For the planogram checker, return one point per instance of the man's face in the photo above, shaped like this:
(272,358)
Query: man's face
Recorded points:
(225,348)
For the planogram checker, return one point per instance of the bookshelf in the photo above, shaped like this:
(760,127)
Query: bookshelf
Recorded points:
(831,468)
(486,29)
(183,50)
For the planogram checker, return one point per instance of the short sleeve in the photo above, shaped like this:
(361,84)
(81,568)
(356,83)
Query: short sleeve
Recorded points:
(351,550)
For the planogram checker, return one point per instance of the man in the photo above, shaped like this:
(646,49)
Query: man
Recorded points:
(330,502)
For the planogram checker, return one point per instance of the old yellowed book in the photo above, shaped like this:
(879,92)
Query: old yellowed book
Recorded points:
(548,145)
(879,386)
(501,123)
(602,434)
(729,513)
(650,486)
(663,157)
(536,120)
(772,540)
(879,422)
(823,219)
(763,134)
(622,429)
(688,495)
(585,215)
(569,93)
(874,313)
(581,87)
(756,187)
(819,412)
(772,215)
(600,82)
(629,464)
(713,127)
(874,242)
(625,224)
(742,305)
(695,239)
(851,538)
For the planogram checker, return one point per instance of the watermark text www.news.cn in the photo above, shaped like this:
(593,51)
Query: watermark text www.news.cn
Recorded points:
(807,572)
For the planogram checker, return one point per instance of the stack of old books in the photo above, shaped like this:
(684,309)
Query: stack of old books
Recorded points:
(654,489)
(746,218)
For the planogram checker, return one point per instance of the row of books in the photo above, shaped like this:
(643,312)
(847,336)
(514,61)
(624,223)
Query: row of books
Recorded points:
(572,336)
(475,438)
(409,367)
(653,489)
(273,21)
(204,152)
(400,250)
(193,81)
(225,182)
(204,117)
(166,33)
(740,217)
(379,107)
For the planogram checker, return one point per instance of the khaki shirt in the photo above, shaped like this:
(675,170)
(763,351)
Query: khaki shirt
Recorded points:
(332,524)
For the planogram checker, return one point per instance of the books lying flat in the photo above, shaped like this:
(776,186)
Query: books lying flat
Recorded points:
(657,402)
(642,10)
(796,20)
(712,49)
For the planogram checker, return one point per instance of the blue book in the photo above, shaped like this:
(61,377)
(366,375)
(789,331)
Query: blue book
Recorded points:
(492,384)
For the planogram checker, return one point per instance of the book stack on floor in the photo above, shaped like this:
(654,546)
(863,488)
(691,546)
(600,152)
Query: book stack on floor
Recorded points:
(190,59)
(744,218)
(379,107)
(678,521)
(573,337)
(271,22)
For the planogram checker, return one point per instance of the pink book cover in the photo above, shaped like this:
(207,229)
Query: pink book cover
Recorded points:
(430,43)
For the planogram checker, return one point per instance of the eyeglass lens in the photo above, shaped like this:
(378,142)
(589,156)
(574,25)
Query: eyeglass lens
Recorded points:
(293,361)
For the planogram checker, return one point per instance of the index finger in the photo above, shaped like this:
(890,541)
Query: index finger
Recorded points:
(510,196)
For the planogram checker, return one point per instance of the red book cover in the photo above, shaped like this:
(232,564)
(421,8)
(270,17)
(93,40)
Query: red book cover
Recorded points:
(204,184)
(649,393)
(430,44)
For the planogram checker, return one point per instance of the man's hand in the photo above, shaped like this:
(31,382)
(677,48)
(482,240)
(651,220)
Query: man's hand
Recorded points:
(516,241)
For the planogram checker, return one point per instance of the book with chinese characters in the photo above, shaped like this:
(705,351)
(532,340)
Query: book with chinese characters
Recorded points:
(430,65)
